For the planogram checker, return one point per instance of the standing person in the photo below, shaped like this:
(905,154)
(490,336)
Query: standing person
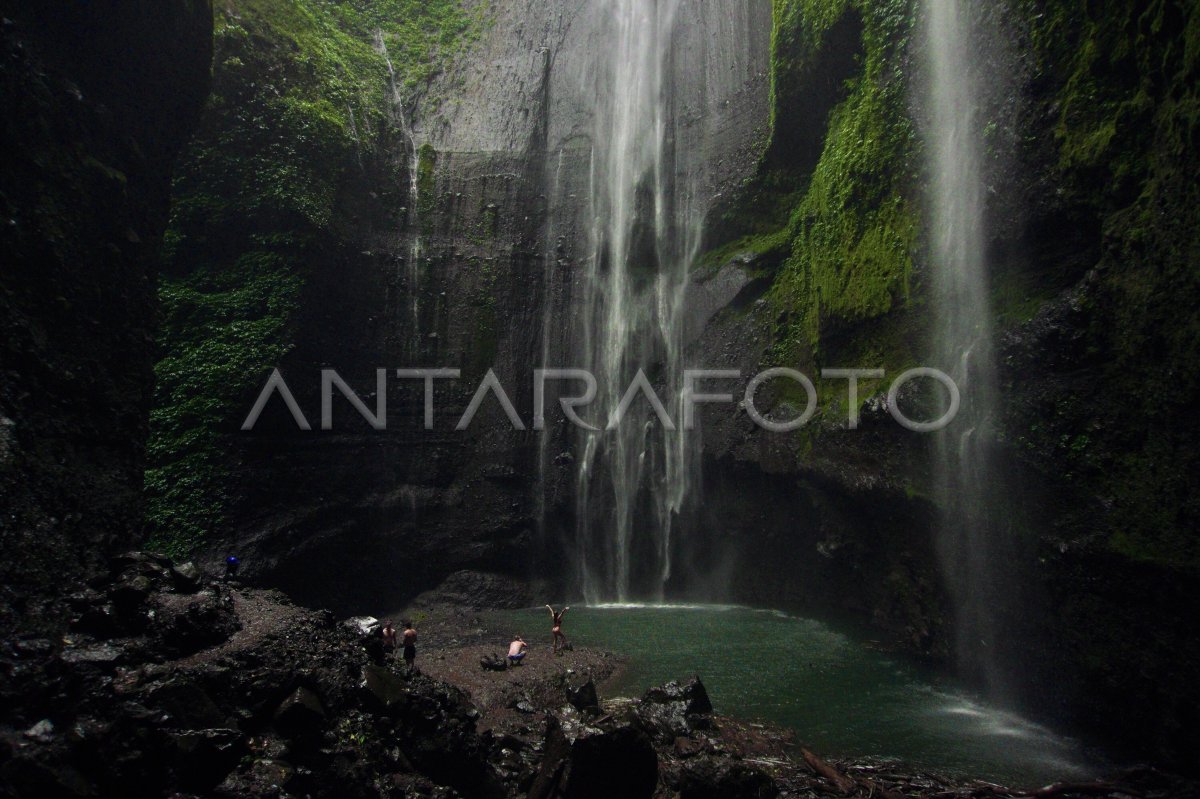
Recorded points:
(516,651)
(410,645)
(389,638)
(232,563)
(556,627)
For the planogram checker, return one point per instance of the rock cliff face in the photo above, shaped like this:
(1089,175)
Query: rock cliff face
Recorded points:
(1083,152)
(476,270)
(99,99)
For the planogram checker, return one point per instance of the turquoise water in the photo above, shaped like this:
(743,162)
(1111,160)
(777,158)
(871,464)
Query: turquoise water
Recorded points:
(843,698)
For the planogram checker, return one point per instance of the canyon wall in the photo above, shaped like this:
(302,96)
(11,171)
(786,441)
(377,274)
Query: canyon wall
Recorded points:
(99,98)
(439,221)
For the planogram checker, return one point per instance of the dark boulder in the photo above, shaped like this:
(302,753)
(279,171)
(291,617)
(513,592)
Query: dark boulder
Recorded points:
(187,577)
(202,758)
(585,762)
(99,620)
(583,697)
(187,704)
(189,625)
(719,778)
(383,688)
(301,715)
(675,710)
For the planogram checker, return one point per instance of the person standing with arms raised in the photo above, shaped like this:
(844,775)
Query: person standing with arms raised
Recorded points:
(556,617)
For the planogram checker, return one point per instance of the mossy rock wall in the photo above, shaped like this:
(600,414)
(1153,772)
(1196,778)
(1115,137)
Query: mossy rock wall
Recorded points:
(299,160)
(1092,159)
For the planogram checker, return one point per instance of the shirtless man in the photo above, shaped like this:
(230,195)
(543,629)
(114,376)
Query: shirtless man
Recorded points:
(516,651)
(410,645)
(556,627)
(389,638)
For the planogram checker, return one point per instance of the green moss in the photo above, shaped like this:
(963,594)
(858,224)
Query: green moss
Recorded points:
(760,251)
(832,203)
(302,96)
(854,232)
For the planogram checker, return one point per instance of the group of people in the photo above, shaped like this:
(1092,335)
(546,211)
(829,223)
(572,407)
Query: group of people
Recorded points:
(516,650)
(408,639)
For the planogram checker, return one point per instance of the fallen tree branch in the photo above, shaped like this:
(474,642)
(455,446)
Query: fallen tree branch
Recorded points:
(823,769)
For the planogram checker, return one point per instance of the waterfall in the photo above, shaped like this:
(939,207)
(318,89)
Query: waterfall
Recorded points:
(415,243)
(972,535)
(646,224)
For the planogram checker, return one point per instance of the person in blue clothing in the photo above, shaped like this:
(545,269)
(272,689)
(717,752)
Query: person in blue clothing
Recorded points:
(231,567)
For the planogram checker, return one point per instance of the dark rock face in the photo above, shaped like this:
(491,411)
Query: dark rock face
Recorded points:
(479,591)
(502,226)
(100,98)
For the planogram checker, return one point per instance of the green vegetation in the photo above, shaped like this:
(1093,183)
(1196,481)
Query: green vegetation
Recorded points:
(299,116)
(854,231)
(835,211)
(831,213)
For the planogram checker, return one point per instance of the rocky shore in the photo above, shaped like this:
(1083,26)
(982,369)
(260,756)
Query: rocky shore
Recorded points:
(170,684)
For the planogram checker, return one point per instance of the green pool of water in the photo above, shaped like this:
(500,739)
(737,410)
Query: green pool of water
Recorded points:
(843,698)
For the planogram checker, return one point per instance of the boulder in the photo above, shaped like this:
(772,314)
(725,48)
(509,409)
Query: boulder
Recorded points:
(202,623)
(202,758)
(675,710)
(720,778)
(187,577)
(364,625)
(99,621)
(384,687)
(300,715)
(586,762)
(100,655)
(42,732)
(583,697)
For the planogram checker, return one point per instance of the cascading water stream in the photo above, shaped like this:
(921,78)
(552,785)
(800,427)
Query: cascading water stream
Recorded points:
(971,538)
(645,234)
(416,245)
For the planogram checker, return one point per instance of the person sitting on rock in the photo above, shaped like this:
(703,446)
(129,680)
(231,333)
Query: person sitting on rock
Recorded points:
(516,651)
(389,638)
(410,645)
(556,627)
